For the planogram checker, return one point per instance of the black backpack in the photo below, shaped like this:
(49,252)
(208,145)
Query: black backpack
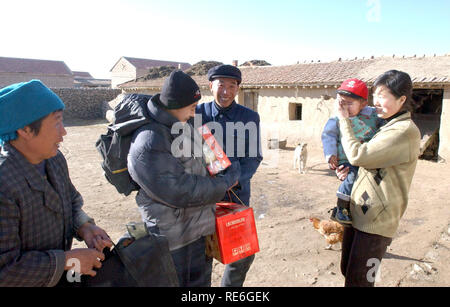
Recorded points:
(130,114)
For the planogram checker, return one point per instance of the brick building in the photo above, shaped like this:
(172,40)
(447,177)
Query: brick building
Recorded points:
(127,68)
(55,74)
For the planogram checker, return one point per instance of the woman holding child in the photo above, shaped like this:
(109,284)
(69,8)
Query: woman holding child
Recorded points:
(386,167)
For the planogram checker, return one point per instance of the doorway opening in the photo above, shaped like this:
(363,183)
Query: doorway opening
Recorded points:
(427,117)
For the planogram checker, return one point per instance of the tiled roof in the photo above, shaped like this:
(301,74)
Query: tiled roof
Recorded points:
(47,67)
(421,69)
(82,74)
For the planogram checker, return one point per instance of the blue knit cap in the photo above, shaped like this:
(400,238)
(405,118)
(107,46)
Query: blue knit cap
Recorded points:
(22,104)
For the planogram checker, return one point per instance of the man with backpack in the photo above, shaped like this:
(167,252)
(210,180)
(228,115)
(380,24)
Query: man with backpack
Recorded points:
(176,195)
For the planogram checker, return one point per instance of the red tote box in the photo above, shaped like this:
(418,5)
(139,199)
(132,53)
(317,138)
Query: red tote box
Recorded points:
(235,237)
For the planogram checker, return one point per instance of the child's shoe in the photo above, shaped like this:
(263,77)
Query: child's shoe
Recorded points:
(341,213)
(343,216)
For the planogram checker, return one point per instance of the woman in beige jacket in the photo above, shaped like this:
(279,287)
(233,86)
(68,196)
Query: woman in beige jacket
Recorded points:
(387,164)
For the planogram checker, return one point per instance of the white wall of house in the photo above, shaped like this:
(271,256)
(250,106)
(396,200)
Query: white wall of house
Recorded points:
(53,81)
(276,108)
(122,72)
(444,130)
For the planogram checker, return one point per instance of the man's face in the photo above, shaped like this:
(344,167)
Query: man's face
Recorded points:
(45,144)
(224,90)
(354,105)
(184,114)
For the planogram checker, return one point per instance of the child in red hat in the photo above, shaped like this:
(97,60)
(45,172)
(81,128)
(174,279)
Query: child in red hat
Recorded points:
(365,122)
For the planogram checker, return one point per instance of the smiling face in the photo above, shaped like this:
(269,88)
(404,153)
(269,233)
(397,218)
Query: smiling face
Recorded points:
(43,145)
(385,103)
(224,91)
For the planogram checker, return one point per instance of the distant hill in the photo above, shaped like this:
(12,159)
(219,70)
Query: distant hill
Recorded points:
(198,69)
(201,68)
(159,72)
(256,63)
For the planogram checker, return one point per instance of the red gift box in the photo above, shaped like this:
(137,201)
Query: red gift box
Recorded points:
(215,157)
(235,237)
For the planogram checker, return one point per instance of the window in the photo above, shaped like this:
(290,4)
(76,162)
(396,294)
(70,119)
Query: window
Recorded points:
(295,111)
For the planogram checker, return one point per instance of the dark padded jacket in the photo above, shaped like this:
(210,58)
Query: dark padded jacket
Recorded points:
(39,217)
(176,192)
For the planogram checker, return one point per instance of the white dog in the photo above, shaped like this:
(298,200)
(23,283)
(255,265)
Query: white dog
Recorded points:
(300,157)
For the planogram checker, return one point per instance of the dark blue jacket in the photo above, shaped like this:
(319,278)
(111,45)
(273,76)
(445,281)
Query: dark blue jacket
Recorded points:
(250,156)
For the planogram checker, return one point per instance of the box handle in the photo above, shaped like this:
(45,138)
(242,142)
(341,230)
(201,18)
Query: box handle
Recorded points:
(231,190)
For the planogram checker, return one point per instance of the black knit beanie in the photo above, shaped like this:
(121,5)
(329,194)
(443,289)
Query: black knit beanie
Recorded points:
(179,90)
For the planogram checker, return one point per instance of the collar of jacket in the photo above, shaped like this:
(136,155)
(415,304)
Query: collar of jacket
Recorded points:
(396,115)
(397,118)
(158,114)
(228,112)
(34,178)
(36,181)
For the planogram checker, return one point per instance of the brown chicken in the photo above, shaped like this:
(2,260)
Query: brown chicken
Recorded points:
(332,231)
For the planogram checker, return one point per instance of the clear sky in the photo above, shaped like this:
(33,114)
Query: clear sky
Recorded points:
(91,35)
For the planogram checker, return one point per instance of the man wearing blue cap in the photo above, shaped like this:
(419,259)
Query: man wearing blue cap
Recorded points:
(240,127)
(40,209)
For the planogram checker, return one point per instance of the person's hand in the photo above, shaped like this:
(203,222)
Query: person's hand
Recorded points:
(333,162)
(94,236)
(84,260)
(342,172)
(232,174)
(341,108)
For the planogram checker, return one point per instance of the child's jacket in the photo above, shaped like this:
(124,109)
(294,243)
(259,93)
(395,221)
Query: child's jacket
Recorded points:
(364,126)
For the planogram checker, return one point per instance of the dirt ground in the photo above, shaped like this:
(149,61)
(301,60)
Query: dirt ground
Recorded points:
(292,253)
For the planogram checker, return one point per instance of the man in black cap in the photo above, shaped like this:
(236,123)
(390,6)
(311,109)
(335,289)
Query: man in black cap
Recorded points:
(238,123)
(177,196)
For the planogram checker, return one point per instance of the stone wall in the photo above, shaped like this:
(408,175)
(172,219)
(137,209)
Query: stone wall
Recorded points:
(85,103)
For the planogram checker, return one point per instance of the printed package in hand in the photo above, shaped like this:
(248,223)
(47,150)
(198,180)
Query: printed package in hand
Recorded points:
(215,157)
